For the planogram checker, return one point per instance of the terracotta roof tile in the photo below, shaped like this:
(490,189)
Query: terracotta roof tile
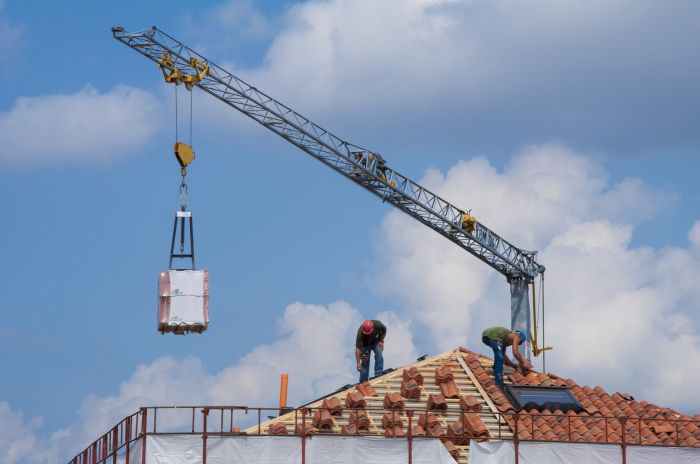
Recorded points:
(599,423)
(308,429)
(443,374)
(469,403)
(410,389)
(349,430)
(449,389)
(359,419)
(393,401)
(278,428)
(601,414)
(454,452)
(333,406)
(366,389)
(436,402)
(322,420)
(413,374)
(391,420)
(431,424)
(355,400)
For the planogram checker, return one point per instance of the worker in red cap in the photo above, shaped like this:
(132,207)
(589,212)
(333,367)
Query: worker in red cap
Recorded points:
(370,338)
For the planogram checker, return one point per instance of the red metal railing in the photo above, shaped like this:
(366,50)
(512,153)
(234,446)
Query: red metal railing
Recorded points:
(209,421)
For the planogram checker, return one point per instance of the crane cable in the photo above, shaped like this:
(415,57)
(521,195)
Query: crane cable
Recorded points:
(183,192)
(536,349)
(183,171)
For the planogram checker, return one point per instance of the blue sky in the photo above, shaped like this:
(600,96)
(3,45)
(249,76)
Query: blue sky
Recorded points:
(568,128)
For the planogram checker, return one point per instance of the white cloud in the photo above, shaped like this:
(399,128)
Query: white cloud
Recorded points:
(20,440)
(483,68)
(618,315)
(84,126)
(17,436)
(694,235)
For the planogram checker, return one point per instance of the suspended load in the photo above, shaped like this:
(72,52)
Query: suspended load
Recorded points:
(184,301)
(183,294)
(183,291)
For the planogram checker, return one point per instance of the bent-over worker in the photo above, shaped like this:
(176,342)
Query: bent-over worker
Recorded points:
(370,338)
(498,338)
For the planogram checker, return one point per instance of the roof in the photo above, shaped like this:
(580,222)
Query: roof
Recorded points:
(659,425)
(475,407)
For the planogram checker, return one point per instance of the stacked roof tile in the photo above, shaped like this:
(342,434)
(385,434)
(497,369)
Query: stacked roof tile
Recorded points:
(365,411)
(458,400)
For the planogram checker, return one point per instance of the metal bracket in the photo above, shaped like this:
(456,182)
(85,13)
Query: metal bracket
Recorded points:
(184,219)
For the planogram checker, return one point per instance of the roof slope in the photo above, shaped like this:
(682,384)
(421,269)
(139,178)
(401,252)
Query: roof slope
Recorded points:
(658,425)
(644,423)
(464,379)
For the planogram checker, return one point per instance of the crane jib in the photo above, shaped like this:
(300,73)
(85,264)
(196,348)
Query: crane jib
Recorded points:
(362,166)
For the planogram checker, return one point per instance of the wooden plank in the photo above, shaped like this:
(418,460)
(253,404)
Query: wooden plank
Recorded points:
(478,386)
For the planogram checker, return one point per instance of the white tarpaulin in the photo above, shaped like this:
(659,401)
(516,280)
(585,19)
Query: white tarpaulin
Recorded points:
(183,303)
(503,452)
(187,449)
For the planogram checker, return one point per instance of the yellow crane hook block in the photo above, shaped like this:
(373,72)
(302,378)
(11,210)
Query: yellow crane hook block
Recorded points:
(184,154)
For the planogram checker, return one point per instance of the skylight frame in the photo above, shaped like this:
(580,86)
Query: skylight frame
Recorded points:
(561,396)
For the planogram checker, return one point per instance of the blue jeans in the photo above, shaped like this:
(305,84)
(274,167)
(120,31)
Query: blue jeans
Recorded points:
(378,361)
(499,352)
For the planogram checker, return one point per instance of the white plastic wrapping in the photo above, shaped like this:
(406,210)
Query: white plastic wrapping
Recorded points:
(502,452)
(183,301)
(187,449)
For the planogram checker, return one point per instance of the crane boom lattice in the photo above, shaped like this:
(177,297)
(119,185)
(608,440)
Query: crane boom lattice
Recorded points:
(358,164)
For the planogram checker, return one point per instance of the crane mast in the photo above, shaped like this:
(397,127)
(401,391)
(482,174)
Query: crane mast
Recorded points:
(364,167)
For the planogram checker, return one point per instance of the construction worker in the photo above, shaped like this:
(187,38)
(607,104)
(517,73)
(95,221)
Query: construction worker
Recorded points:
(498,338)
(370,338)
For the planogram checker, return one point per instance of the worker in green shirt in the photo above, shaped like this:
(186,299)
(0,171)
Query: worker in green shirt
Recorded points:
(498,338)
(370,338)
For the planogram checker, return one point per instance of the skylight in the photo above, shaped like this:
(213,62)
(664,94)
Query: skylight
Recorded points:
(530,397)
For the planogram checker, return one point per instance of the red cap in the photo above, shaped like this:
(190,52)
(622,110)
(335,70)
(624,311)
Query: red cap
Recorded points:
(367,327)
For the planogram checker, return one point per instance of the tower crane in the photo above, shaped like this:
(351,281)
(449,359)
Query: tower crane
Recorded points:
(182,65)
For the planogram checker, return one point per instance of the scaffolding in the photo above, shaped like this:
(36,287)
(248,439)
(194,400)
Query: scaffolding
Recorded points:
(128,441)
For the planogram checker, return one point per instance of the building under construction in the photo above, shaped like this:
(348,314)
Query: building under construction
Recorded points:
(441,409)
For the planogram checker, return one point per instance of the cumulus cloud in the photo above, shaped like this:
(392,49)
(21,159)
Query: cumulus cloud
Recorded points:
(487,67)
(84,126)
(17,435)
(315,348)
(616,313)
(21,440)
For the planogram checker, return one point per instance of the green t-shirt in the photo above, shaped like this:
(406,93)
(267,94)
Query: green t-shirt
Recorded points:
(375,337)
(498,333)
